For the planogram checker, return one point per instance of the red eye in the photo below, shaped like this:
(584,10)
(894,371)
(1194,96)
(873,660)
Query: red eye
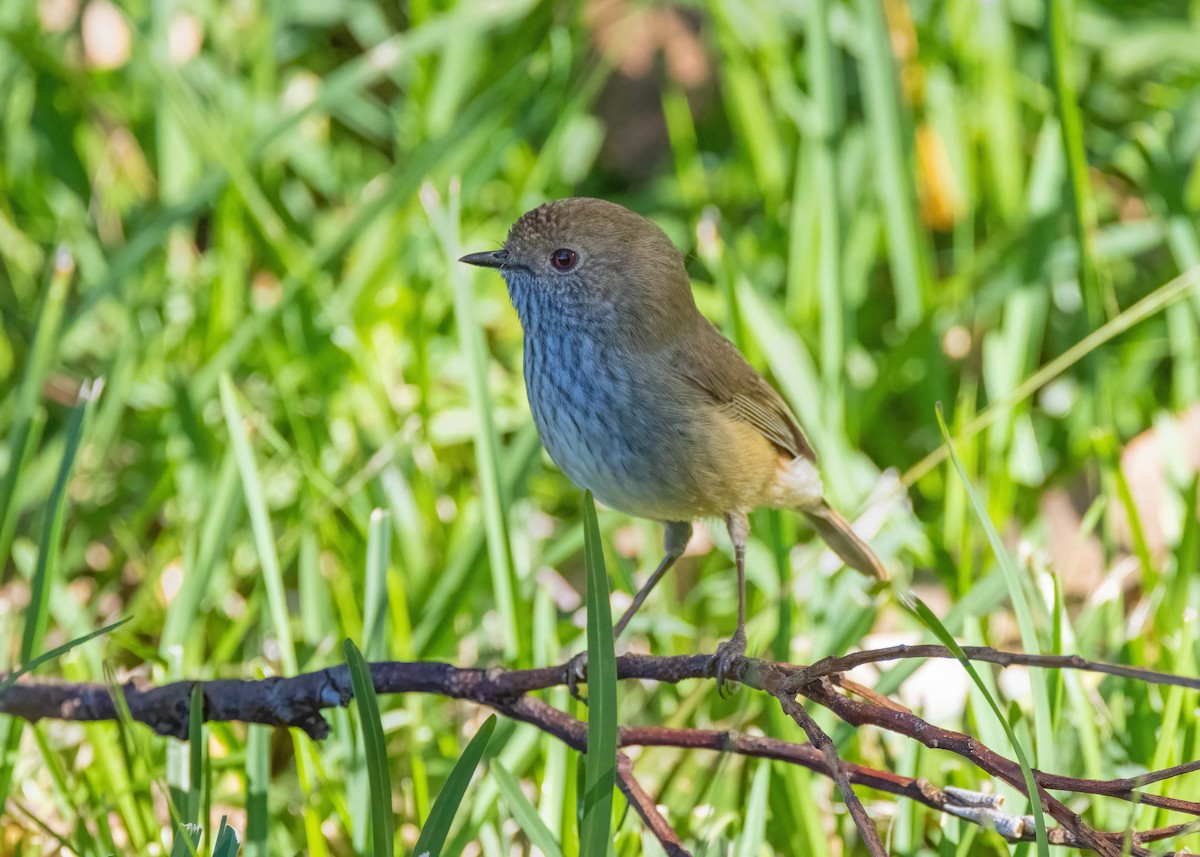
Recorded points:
(563,259)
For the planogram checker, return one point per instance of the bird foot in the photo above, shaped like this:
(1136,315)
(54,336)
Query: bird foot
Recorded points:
(726,659)
(576,669)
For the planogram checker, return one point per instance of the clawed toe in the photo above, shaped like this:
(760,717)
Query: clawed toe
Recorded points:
(577,674)
(725,661)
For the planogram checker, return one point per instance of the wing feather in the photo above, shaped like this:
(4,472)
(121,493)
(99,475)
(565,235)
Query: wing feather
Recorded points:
(718,369)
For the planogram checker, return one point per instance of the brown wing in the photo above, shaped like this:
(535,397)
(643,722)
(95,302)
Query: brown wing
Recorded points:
(718,369)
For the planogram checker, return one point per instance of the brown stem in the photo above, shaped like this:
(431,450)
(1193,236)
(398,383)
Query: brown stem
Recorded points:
(831,665)
(298,701)
(858,713)
(834,766)
(646,808)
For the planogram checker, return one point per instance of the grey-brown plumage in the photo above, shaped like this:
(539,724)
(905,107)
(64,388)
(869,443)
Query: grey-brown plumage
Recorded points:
(638,398)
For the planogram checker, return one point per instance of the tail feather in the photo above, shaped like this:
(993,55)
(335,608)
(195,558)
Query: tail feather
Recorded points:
(836,532)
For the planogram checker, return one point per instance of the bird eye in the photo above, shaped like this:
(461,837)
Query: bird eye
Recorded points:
(563,259)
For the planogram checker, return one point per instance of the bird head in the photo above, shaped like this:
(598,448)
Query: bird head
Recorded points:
(593,264)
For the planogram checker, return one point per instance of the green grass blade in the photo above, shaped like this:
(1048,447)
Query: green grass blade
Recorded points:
(601,761)
(1187,559)
(524,448)
(1099,302)
(84,840)
(178,753)
(196,755)
(1016,591)
(929,620)
(1164,296)
(1021,607)
(19,429)
(523,811)
(38,612)
(187,837)
(881,91)
(750,113)
(57,651)
(218,522)
(260,522)
(823,64)
(437,826)
(376,750)
(1106,447)
(226,844)
(139,762)
(375,602)
(754,827)
(258,782)
(487,443)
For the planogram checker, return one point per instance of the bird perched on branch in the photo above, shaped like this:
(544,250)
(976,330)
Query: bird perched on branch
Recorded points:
(638,397)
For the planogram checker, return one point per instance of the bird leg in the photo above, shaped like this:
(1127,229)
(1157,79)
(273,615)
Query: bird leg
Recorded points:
(730,652)
(675,539)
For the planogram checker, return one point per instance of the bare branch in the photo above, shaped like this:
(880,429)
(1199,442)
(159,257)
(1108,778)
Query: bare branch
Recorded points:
(859,713)
(831,665)
(836,770)
(646,808)
(298,701)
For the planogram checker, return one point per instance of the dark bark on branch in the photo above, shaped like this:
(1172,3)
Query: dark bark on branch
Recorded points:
(862,714)
(646,808)
(917,789)
(298,701)
(831,665)
(836,769)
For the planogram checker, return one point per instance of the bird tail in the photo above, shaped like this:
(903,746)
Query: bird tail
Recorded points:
(836,532)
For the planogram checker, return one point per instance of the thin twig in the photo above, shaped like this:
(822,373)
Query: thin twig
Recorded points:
(831,665)
(858,713)
(833,764)
(646,808)
(574,733)
(298,701)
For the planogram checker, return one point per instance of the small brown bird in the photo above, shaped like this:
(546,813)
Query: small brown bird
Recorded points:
(638,397)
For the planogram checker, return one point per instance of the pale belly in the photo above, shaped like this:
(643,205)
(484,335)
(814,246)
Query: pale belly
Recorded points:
(615,431)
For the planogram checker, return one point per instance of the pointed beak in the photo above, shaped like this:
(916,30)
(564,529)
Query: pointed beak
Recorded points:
(490,259)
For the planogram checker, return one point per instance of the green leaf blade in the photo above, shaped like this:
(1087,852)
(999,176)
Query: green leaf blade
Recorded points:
(523,811)
(437,826)
(382,827)
(931,621)
(600,776)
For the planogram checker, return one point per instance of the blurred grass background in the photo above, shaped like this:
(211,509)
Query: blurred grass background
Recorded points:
(244,216)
